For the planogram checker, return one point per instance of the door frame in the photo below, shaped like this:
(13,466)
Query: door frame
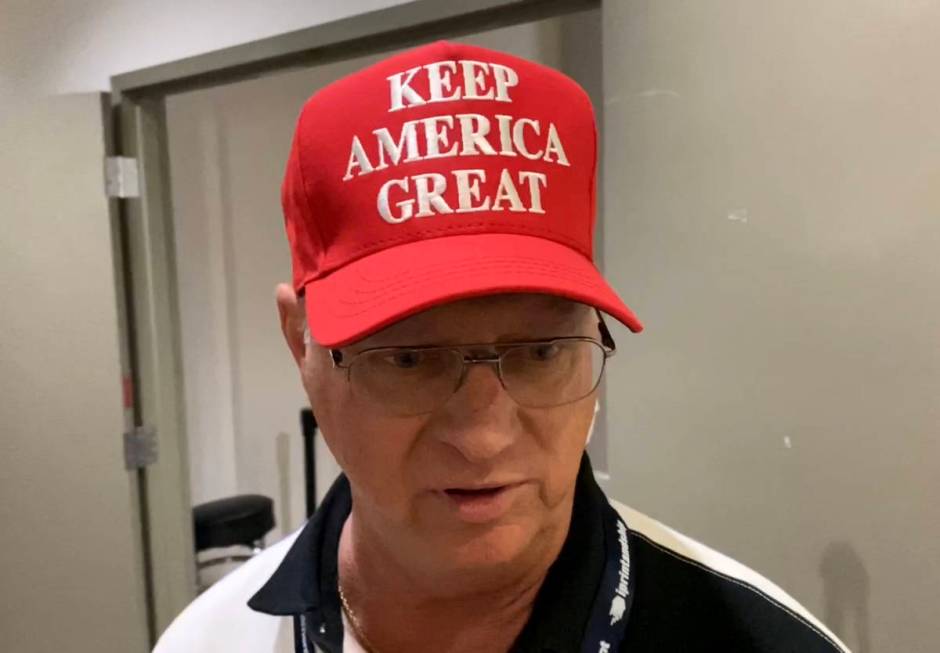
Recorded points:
(151,331)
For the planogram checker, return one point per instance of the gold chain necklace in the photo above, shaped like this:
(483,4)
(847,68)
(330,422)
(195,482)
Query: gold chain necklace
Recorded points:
(354,621)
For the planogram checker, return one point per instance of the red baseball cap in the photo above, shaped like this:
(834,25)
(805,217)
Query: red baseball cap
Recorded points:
(444,172)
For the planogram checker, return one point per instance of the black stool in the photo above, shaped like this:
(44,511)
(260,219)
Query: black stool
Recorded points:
(242,520)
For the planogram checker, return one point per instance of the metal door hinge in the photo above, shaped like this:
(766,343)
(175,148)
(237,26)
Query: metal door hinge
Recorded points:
(120,177)
(140,447)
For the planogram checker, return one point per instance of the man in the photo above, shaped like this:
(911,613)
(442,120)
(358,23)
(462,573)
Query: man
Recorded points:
(440,209)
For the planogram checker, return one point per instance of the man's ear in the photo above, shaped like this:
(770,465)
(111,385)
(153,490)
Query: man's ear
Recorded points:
(292,318)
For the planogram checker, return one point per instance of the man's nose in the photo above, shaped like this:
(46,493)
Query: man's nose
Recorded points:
(478,418)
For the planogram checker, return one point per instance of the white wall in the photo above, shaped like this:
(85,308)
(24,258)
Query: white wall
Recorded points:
(70,573)
(776,224)
(51,47)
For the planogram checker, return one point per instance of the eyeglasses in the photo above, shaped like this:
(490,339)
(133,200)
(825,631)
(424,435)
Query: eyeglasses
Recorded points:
(410,381)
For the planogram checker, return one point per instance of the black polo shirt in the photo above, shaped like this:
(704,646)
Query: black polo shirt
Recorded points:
(677,597)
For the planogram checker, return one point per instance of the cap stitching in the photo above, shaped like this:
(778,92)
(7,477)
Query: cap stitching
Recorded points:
(570,242)
(385,298)
(476,264)
(390,298)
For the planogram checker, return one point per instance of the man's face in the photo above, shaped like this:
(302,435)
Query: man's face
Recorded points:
(412,477)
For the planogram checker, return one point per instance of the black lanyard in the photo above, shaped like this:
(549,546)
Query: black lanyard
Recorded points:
(607,625)
(302,640)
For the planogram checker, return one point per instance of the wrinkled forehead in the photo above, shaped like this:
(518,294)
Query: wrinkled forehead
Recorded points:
(488,318)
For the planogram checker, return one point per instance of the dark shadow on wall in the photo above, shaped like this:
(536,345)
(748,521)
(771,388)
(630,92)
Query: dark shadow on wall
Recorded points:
(846,595)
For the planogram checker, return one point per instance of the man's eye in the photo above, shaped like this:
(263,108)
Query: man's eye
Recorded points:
(544,352)
(405,360)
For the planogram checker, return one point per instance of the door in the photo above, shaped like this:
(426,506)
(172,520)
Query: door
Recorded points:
(157,365)
(71,560)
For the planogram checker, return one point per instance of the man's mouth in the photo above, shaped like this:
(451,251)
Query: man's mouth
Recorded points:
(482,504)
(475,492)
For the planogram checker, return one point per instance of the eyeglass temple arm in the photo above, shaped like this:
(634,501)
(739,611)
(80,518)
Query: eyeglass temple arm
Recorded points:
(337,357)
(606,338)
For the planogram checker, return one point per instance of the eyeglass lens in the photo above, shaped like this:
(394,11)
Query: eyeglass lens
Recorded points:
(413,381)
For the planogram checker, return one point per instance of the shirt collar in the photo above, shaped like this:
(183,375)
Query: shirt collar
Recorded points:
(307,577)
(305,583)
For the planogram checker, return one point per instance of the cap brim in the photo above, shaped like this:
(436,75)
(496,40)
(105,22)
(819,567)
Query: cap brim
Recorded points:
(382,288)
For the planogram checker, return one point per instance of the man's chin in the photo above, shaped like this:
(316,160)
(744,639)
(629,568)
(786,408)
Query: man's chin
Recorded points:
(489,547)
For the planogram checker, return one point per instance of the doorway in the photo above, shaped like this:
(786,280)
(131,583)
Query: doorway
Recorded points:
(222,148)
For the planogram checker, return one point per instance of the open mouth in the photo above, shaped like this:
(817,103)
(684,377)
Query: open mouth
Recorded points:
(470,493)
(484,504)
